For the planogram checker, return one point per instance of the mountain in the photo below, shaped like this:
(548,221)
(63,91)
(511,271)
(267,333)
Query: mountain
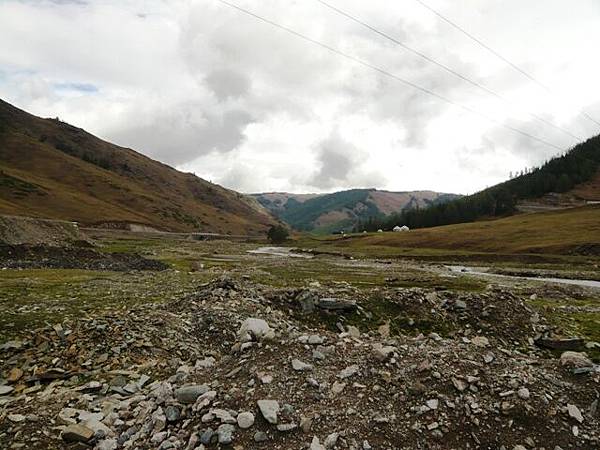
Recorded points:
(51,169)
(341,210)
(569,180)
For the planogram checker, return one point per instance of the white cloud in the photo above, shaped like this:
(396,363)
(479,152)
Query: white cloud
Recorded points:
(210,90)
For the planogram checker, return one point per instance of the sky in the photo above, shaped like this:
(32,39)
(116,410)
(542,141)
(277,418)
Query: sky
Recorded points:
(208,89)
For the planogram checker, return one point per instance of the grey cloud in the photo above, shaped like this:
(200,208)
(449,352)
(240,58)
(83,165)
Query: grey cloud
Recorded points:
(228,83)
(340,165)
(181,135)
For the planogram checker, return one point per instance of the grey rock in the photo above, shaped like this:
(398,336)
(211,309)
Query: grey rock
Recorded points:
(254,329)
(348,372)
(172,413)
(206,436)
(575,413)
(316,444)
(189,394)
(331,440)
(283,427)
(301,366)
(245,420)
(6,389)
(260,436)
(225,433)
(269,410)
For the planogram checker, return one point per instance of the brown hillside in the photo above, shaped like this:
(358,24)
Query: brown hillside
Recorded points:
(52,169)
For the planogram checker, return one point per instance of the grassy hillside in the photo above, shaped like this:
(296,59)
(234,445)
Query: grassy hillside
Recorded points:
(52,169)
(326,213)
(568,231)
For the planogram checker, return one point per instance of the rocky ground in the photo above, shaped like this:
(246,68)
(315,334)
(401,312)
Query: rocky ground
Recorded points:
(25,256)
(249,359)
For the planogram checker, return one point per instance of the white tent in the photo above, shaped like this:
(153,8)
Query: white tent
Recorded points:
(398,229)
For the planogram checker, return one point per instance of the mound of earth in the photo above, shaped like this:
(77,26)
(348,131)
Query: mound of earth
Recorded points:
(243,365)
(26,230)
(46,257)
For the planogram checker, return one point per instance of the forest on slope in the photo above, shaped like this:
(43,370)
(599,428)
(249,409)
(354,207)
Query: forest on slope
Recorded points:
(558,175)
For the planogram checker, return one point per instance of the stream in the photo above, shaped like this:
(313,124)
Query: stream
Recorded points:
(481,271)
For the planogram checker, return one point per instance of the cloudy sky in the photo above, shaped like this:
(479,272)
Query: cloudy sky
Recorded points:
(210,90)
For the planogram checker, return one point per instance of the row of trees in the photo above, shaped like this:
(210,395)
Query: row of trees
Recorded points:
(560,174)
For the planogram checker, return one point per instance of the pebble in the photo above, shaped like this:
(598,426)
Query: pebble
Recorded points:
(575,413)
(245,420)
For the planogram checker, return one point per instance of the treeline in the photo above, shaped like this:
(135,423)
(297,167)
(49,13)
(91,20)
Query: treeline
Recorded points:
(560,174)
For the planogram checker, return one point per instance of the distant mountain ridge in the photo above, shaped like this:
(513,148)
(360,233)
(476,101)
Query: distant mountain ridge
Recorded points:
(50,169)
(342,210)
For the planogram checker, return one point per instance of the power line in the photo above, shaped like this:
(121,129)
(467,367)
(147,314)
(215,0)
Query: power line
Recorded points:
(388,74)
(498,55)
(443,66)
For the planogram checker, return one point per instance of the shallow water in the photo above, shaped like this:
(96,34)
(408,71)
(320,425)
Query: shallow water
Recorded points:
(280,251)
(481,271)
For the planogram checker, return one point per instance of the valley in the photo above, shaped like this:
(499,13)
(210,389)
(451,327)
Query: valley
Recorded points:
(364,347)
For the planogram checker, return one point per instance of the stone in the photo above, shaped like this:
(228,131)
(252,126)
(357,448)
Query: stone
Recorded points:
(575,360)
(480,341)
(159,420)
(283,427)
(353,332)
(16,418)
(14,375)
(433,403)
(269,410)
(300,366)
(331,440)
(337,387)
(6,389)
(107,444)
(225,433)
(575,413)
(348,372)
(189,394)
(158,438)
(260,436)
(316,444)
(460,304)
(172,413)
(336,304)
(206,436)
(382,353)
(245,420)
(306,423)
(523,393)
(77,433)
(315,339)
(460,385)
(224,416)
(254,329)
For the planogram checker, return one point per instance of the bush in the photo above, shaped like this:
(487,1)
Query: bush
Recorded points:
(277,234)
